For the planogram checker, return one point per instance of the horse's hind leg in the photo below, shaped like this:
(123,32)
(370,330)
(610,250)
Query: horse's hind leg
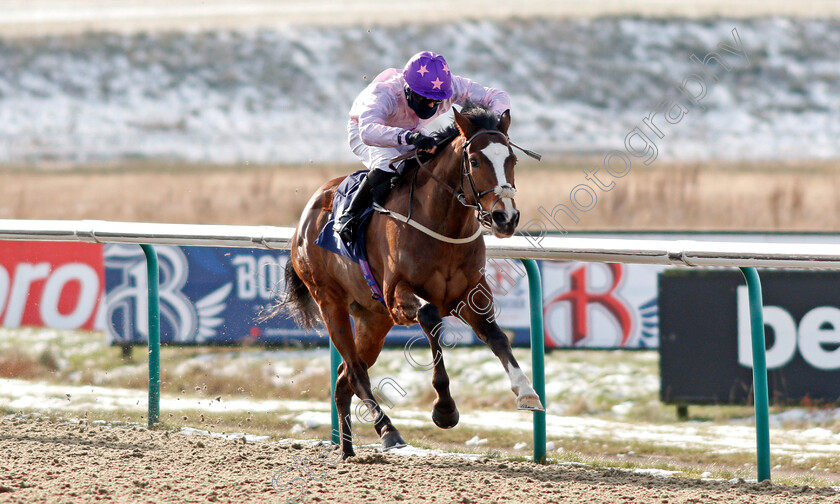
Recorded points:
(371,329)
(444,412)
(343,398)
(356,377)
(485,327)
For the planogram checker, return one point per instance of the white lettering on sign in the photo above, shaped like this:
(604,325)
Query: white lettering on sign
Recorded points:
(258,277)
(17,289)
(246,282)
(4,287)
(89,282)
(25,274)
(268,275)
(820,326)
(818,335)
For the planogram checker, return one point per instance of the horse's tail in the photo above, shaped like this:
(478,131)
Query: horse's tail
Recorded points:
(297,302)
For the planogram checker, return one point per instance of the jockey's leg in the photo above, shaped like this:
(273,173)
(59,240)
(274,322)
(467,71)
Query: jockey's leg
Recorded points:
(376,182)
(377,160)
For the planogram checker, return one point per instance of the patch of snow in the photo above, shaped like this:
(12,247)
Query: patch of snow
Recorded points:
(656,472)
(249,438)
(413,451)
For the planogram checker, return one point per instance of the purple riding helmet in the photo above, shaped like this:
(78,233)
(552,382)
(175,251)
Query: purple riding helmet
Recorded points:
(429,82)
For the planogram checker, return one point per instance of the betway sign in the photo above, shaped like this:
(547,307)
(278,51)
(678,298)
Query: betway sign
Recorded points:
(60,285)
(816,337)
(706,344)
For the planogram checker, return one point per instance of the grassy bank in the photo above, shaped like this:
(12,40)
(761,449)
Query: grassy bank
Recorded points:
(721,196)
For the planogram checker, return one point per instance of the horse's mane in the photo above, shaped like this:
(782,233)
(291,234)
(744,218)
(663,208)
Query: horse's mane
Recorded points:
(478,114)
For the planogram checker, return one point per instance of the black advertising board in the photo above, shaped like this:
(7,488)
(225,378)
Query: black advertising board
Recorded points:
(705,343)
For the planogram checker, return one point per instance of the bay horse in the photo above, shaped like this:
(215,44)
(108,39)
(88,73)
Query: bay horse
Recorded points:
(422,276)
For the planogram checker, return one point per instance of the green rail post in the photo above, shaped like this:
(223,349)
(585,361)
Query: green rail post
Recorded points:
(535,300)
(762,413)
(335,360)
(154,334)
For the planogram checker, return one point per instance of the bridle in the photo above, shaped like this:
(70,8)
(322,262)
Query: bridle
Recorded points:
(483,216)
(501,191)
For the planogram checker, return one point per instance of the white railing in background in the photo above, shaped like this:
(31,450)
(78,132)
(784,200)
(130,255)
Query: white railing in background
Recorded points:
(549,248)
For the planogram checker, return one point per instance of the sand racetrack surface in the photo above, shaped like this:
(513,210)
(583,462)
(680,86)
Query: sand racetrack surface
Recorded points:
(50,461)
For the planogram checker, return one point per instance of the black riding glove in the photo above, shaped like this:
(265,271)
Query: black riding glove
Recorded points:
(421,141)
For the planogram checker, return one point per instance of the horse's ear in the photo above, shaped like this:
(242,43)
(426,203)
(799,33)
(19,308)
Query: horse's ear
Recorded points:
(465,126)
(504,121)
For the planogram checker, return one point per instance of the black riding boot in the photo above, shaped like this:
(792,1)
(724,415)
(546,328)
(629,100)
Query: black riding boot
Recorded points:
(376,183)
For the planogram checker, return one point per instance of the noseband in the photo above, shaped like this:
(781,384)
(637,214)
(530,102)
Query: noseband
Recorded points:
(501,191)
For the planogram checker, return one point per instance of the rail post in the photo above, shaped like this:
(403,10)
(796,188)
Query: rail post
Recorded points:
(762,407)
(535,301)
(154,333)
(335,360)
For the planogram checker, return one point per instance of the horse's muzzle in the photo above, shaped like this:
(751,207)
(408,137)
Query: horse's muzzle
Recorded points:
(504,223)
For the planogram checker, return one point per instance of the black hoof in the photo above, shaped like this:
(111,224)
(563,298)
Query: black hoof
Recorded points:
(445,420)
(392,440)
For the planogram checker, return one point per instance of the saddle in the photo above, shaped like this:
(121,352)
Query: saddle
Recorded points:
(356,251)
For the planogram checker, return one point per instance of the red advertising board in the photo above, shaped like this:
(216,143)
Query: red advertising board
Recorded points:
(51,284)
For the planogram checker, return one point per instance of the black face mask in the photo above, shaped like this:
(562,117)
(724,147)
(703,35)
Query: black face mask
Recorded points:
(420,104)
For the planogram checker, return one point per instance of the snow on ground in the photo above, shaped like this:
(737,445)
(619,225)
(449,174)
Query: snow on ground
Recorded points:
(801,444)
(281,95)
(609,384)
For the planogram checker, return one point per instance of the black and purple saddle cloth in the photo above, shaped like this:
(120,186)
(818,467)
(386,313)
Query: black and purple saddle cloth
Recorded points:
(356,251)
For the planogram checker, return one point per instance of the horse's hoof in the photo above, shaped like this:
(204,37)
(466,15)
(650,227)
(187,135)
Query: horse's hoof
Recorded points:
(529,403)
(445,420)
(392,440)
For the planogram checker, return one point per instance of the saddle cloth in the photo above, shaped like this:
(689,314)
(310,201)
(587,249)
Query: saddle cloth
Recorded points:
(328,239)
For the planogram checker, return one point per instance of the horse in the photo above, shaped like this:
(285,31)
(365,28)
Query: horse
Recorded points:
(426,269)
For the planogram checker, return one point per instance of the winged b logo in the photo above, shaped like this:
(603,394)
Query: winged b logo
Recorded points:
(128,302)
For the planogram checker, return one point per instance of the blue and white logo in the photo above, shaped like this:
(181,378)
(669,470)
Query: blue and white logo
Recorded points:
(182,320)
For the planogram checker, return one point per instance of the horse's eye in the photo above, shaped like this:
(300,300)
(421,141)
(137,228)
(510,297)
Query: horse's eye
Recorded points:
(474,162)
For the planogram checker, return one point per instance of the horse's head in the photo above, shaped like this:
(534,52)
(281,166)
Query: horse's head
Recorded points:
(487,164)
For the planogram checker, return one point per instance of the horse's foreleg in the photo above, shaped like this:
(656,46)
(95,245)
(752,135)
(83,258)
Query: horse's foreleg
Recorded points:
(488,331)
(444,412)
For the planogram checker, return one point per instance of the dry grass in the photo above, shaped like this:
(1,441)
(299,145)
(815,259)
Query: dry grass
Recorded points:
(17,364)
(695,196)
(676,196)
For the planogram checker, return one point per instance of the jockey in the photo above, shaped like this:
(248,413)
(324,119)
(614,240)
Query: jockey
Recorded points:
(387,120)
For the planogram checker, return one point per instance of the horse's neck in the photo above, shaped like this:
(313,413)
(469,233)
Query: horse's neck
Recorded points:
(437,203)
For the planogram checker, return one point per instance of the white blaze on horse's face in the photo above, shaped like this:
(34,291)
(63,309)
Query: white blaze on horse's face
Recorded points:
(497,153)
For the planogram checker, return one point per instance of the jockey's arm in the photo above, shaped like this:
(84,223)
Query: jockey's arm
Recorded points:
(375,110)
(464,90)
